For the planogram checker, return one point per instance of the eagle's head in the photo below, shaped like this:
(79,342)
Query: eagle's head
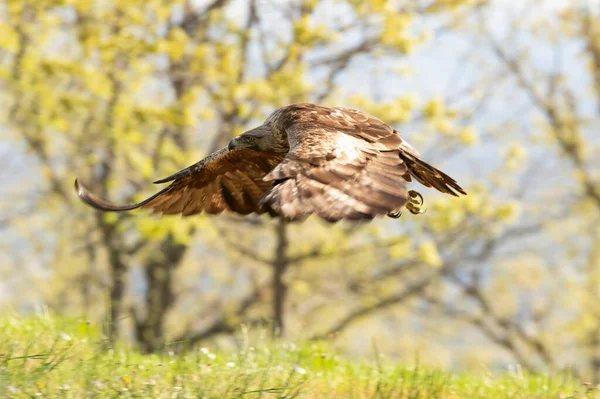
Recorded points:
(261,139)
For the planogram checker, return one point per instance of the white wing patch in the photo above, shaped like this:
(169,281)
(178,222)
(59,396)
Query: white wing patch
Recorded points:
(347,147)
(337,114)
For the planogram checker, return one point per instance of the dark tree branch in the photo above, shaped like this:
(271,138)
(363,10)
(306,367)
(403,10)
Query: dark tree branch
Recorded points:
(419,286)
(224,324)
(280,266)
(410,291)
(498,337)
(340,62)
(508,330)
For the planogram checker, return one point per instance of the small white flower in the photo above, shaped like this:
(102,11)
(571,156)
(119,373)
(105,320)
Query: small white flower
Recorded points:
(299,369)
(230,364)
(205,351)
(65,336)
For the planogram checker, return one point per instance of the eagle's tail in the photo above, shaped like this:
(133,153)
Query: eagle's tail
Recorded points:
(426,174)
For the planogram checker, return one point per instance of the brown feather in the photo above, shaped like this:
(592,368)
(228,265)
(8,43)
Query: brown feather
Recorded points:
(340,170)
(200,187)
(344,164)
(429,176)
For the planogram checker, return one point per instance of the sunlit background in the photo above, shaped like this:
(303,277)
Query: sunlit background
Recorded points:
(502,95)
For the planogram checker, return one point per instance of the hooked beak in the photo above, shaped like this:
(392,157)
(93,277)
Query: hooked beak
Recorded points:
(233,144)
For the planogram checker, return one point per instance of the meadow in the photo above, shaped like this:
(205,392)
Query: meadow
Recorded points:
(50,357)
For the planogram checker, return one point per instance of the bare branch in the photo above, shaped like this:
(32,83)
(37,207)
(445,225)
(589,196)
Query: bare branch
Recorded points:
(410,291)
(552,113)
(223,324)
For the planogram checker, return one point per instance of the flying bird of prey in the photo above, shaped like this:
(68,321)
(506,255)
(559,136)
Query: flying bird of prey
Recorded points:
(337,163)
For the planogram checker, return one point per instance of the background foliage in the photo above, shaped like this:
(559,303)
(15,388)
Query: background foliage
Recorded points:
(502,96)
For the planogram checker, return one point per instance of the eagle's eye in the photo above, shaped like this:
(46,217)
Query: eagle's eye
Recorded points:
(251,139)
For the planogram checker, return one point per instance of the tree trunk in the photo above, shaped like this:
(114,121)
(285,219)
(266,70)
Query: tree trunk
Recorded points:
(118,273)
(594,347)
(117,292)
(280,265)
(160,297)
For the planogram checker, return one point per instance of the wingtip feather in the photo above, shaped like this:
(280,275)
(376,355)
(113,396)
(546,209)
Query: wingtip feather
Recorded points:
(80,189)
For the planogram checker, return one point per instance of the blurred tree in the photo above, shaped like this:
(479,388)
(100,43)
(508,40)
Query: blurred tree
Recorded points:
(115,94)
(111,91)
(539,300)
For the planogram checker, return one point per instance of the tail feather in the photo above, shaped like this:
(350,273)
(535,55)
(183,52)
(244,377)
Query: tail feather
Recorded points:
(429,176)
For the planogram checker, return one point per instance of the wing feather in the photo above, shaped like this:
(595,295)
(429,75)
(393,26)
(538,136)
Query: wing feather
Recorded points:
(345,164)
(426,174)
(337,169)
(225,180)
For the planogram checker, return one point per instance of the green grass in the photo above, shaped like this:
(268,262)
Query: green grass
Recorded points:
(51,357)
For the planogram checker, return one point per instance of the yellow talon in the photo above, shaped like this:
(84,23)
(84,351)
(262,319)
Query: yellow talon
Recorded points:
(395,214)
(415,203)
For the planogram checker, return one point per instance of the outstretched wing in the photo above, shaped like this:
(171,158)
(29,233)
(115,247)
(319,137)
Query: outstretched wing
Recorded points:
(342,164)
(225,180)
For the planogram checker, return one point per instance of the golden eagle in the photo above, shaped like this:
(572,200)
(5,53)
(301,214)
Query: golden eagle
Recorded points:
(338,163)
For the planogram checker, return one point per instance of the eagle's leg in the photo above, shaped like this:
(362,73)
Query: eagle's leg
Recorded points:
(415,203)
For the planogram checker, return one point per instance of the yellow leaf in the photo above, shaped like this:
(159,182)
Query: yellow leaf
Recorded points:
(110,218)
(9,39)
(434,109)
(469,136)
(301,286)
(429,254)
(508,212)
(400,250)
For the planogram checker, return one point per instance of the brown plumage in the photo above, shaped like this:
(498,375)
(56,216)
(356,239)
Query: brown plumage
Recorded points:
(338,163)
